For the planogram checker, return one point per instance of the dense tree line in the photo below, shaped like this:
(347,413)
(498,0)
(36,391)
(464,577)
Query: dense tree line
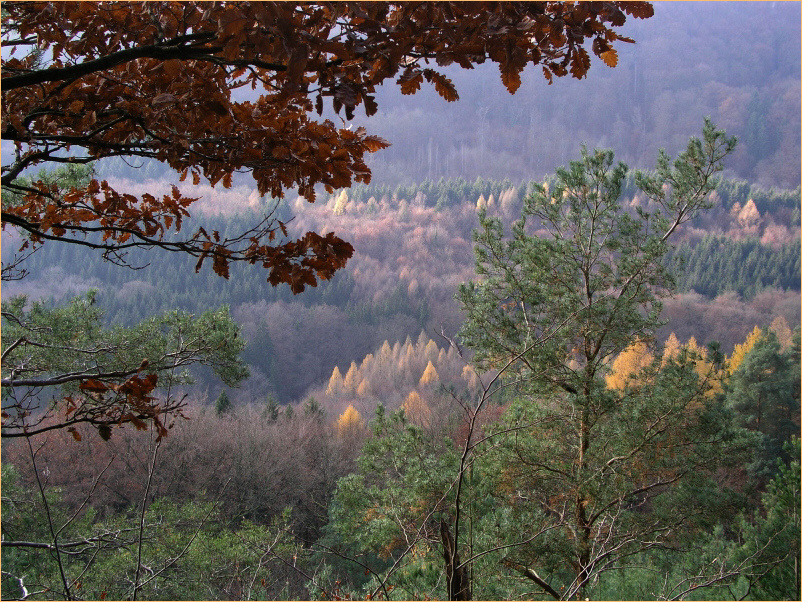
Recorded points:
(718,264)
(412,249)
(219,528)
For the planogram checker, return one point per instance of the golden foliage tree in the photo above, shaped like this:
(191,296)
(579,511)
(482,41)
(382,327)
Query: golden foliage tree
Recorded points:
(335,382)
(429,375)
(349,421)
(351,380)
(431,352)
(469,374)
(749,216)
(627,365)
(341,202)
(671,348)
(417,410)
(740,351)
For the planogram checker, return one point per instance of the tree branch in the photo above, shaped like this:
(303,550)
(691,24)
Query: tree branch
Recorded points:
(174,49)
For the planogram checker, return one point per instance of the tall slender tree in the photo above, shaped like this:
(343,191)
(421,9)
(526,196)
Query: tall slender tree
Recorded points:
(602,471)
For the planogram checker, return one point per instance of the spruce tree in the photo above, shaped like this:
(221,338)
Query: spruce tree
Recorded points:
(223,404)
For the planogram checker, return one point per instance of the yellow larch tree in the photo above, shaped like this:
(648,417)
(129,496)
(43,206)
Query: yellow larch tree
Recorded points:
(628,363)
(349,421)
(335,383)
(671,348)
(417,410)
(704,367)
(341,202)
(739,352)
(429,375)
(366,363)
(469,374)
(351,378)
(749,216)
(407,356)
(431,351)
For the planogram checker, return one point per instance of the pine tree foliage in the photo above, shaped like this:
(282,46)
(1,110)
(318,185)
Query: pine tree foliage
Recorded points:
(556,309)
(62,367)
(764,391)
(222,404)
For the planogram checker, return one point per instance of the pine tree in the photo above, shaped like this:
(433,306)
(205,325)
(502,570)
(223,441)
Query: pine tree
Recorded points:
(223,404)
(313,409)
(552,311)
(764,392)
(272,409)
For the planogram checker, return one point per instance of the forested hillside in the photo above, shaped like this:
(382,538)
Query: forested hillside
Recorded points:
(737,267)
(403,447)
(394,301)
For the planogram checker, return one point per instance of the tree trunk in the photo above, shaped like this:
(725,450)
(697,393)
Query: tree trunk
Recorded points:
(459,587)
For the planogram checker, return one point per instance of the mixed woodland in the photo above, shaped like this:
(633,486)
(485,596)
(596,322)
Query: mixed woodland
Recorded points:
(359,399)
(543,373)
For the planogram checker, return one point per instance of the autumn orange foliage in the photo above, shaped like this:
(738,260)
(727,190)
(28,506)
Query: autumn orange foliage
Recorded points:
(168,81)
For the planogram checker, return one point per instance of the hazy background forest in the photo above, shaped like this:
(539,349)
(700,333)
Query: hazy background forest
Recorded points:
(737,63)
(253,474)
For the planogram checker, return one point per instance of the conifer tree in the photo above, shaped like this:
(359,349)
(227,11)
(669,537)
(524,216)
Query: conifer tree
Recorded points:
(335,383)
(417,410)
(600,469)
(740,351)
(764,392)
(223,404)
(351,380)
(429,375)
(349,421)
(628,364)
(671,347)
